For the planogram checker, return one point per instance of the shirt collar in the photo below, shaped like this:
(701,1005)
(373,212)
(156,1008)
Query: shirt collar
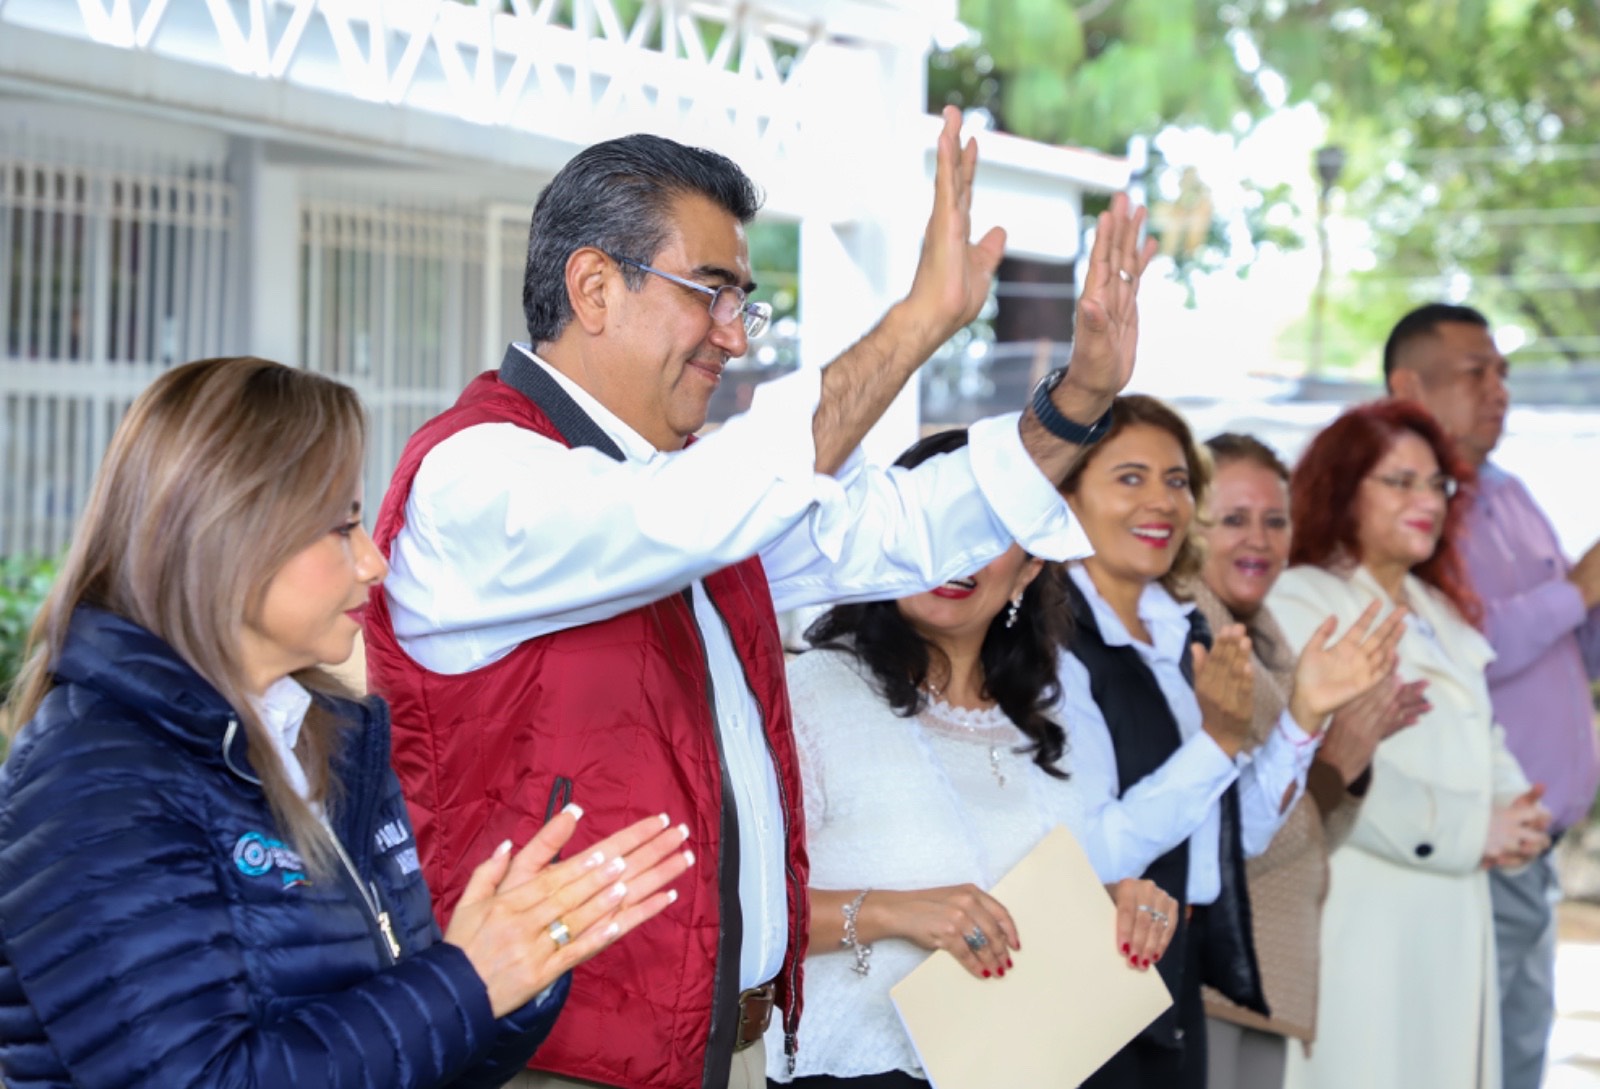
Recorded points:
(635,447)
(282,709)
(1166,618)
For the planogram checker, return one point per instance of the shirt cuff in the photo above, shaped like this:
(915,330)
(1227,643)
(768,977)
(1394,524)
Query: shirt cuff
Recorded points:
(1200,760)
(1024,500)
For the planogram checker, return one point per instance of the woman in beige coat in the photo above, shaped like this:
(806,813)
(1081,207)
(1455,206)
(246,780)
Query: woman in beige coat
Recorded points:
(1246,532)
(1408,995)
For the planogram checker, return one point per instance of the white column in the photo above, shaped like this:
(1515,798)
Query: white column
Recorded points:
(269,254)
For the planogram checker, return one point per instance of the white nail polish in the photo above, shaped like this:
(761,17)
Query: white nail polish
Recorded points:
(618,891)
(575,809)
(618,864)
(613,930)
(684,828)
(504,848)
(688,857)
(672,896)
(666,821)
(594,860)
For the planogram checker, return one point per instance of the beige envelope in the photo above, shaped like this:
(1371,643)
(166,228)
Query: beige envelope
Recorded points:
(1070,1003)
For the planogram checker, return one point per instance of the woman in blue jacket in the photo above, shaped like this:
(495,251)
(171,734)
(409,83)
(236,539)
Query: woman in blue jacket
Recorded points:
(207,872)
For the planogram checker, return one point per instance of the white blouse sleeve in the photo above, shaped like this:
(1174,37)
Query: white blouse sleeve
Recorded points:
(1123,833)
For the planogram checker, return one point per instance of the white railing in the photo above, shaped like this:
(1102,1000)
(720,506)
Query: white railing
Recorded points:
(111,270)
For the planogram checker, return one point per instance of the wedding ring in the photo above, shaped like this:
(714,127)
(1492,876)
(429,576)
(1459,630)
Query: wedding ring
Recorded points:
(1126,278)
(1159,916)
(977,939)
(559,933)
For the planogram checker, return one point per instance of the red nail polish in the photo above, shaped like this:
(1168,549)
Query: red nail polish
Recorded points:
(1002,973)
(1146,963)
(1019,945)
(1126,949)
(986,973)
(1009,964)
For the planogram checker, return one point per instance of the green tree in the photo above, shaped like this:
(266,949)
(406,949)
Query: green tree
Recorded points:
(1472,126)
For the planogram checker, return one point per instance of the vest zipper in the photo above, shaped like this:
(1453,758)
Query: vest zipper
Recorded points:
(371,900)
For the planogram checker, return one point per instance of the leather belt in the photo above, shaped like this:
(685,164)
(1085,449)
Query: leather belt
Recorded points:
(755,1014)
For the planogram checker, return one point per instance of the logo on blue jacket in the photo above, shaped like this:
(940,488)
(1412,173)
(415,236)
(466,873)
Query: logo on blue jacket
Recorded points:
(256,854)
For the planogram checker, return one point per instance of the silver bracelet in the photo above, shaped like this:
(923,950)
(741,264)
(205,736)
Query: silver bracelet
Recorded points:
(863,953)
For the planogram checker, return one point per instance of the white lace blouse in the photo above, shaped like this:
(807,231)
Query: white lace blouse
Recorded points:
(943,798)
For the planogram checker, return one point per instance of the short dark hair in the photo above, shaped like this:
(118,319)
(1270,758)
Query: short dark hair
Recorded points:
(1424,321)
(615,196)
(1020,661)
(1232,446)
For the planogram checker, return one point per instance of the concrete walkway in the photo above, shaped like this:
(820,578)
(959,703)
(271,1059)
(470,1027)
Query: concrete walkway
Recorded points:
(1574,1057)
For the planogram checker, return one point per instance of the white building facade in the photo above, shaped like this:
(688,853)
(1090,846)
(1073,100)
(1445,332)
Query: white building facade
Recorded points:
(345,185)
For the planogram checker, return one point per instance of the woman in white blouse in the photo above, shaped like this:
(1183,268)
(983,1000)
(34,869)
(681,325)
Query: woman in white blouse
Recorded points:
(1157,726)
(1408,964)
(929,763)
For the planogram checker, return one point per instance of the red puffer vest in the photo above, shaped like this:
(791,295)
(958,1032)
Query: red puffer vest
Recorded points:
(615,716)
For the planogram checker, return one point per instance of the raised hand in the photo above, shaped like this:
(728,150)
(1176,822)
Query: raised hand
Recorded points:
(1146,920)
(523,922)
(1106,340)
(1224,686)
(1330,675)
(953,273)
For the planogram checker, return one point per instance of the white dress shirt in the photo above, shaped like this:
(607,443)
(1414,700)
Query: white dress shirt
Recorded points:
(282,709)
(1124,833)
(480,566)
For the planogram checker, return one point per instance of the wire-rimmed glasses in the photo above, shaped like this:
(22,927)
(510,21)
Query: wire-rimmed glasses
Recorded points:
(727,302)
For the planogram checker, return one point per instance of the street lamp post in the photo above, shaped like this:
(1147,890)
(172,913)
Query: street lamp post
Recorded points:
(1330,164)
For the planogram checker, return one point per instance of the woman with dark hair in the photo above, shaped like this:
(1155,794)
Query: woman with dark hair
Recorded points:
(1246,533)
(932,765)
(1159,713)
(1407,970)
(207,871)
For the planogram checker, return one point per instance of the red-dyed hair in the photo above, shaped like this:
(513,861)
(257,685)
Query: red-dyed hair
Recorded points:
(1323,489)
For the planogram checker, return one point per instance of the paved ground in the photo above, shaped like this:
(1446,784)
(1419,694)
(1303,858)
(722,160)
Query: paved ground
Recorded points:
(1575,1043)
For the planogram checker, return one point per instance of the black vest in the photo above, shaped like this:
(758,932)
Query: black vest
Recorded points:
(1145,735)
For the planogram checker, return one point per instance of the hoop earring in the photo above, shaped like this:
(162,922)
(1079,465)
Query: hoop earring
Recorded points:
(1012,611)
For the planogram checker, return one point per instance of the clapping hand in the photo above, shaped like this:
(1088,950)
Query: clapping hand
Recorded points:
(1330,675)
(524,921)
(1372,717)
(1224,686)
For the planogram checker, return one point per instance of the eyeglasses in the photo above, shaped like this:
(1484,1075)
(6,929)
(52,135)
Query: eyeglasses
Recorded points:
(727,302)
(1440,484)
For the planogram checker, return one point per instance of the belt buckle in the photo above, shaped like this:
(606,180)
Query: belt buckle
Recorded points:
(765,994)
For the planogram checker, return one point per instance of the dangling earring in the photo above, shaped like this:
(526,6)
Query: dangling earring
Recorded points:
(1013,610)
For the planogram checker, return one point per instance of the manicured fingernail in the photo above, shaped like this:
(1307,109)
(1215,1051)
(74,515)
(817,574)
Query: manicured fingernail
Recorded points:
(618,864)
(688,858)
(1009,964)
(672,896)
(1019,945)
(594,860)
(618,891)
(575,809)
(666,821)
(504,848)
(1002,973)
(1126,949)
(684,828)
(986,973)
(613,930)
(1146,963)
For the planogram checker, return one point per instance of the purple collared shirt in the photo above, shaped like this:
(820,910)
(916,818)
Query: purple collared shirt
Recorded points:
(1547,646)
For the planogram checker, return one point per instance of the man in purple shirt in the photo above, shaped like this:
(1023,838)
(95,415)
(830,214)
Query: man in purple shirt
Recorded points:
(1540,615)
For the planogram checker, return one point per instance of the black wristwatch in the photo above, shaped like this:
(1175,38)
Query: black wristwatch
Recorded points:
(1058,425)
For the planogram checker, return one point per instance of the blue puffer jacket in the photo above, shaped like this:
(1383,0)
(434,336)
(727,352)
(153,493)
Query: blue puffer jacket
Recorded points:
(155,932)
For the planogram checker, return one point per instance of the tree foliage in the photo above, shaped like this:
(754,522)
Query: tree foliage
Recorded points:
(1472,127)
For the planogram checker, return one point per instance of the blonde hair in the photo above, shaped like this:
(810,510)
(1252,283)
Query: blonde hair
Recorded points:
(1136,408)
(221,471)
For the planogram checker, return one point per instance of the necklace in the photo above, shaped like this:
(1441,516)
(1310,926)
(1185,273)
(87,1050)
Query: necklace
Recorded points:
(988,726)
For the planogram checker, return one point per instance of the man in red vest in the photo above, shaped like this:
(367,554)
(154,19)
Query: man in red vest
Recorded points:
(581,605)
